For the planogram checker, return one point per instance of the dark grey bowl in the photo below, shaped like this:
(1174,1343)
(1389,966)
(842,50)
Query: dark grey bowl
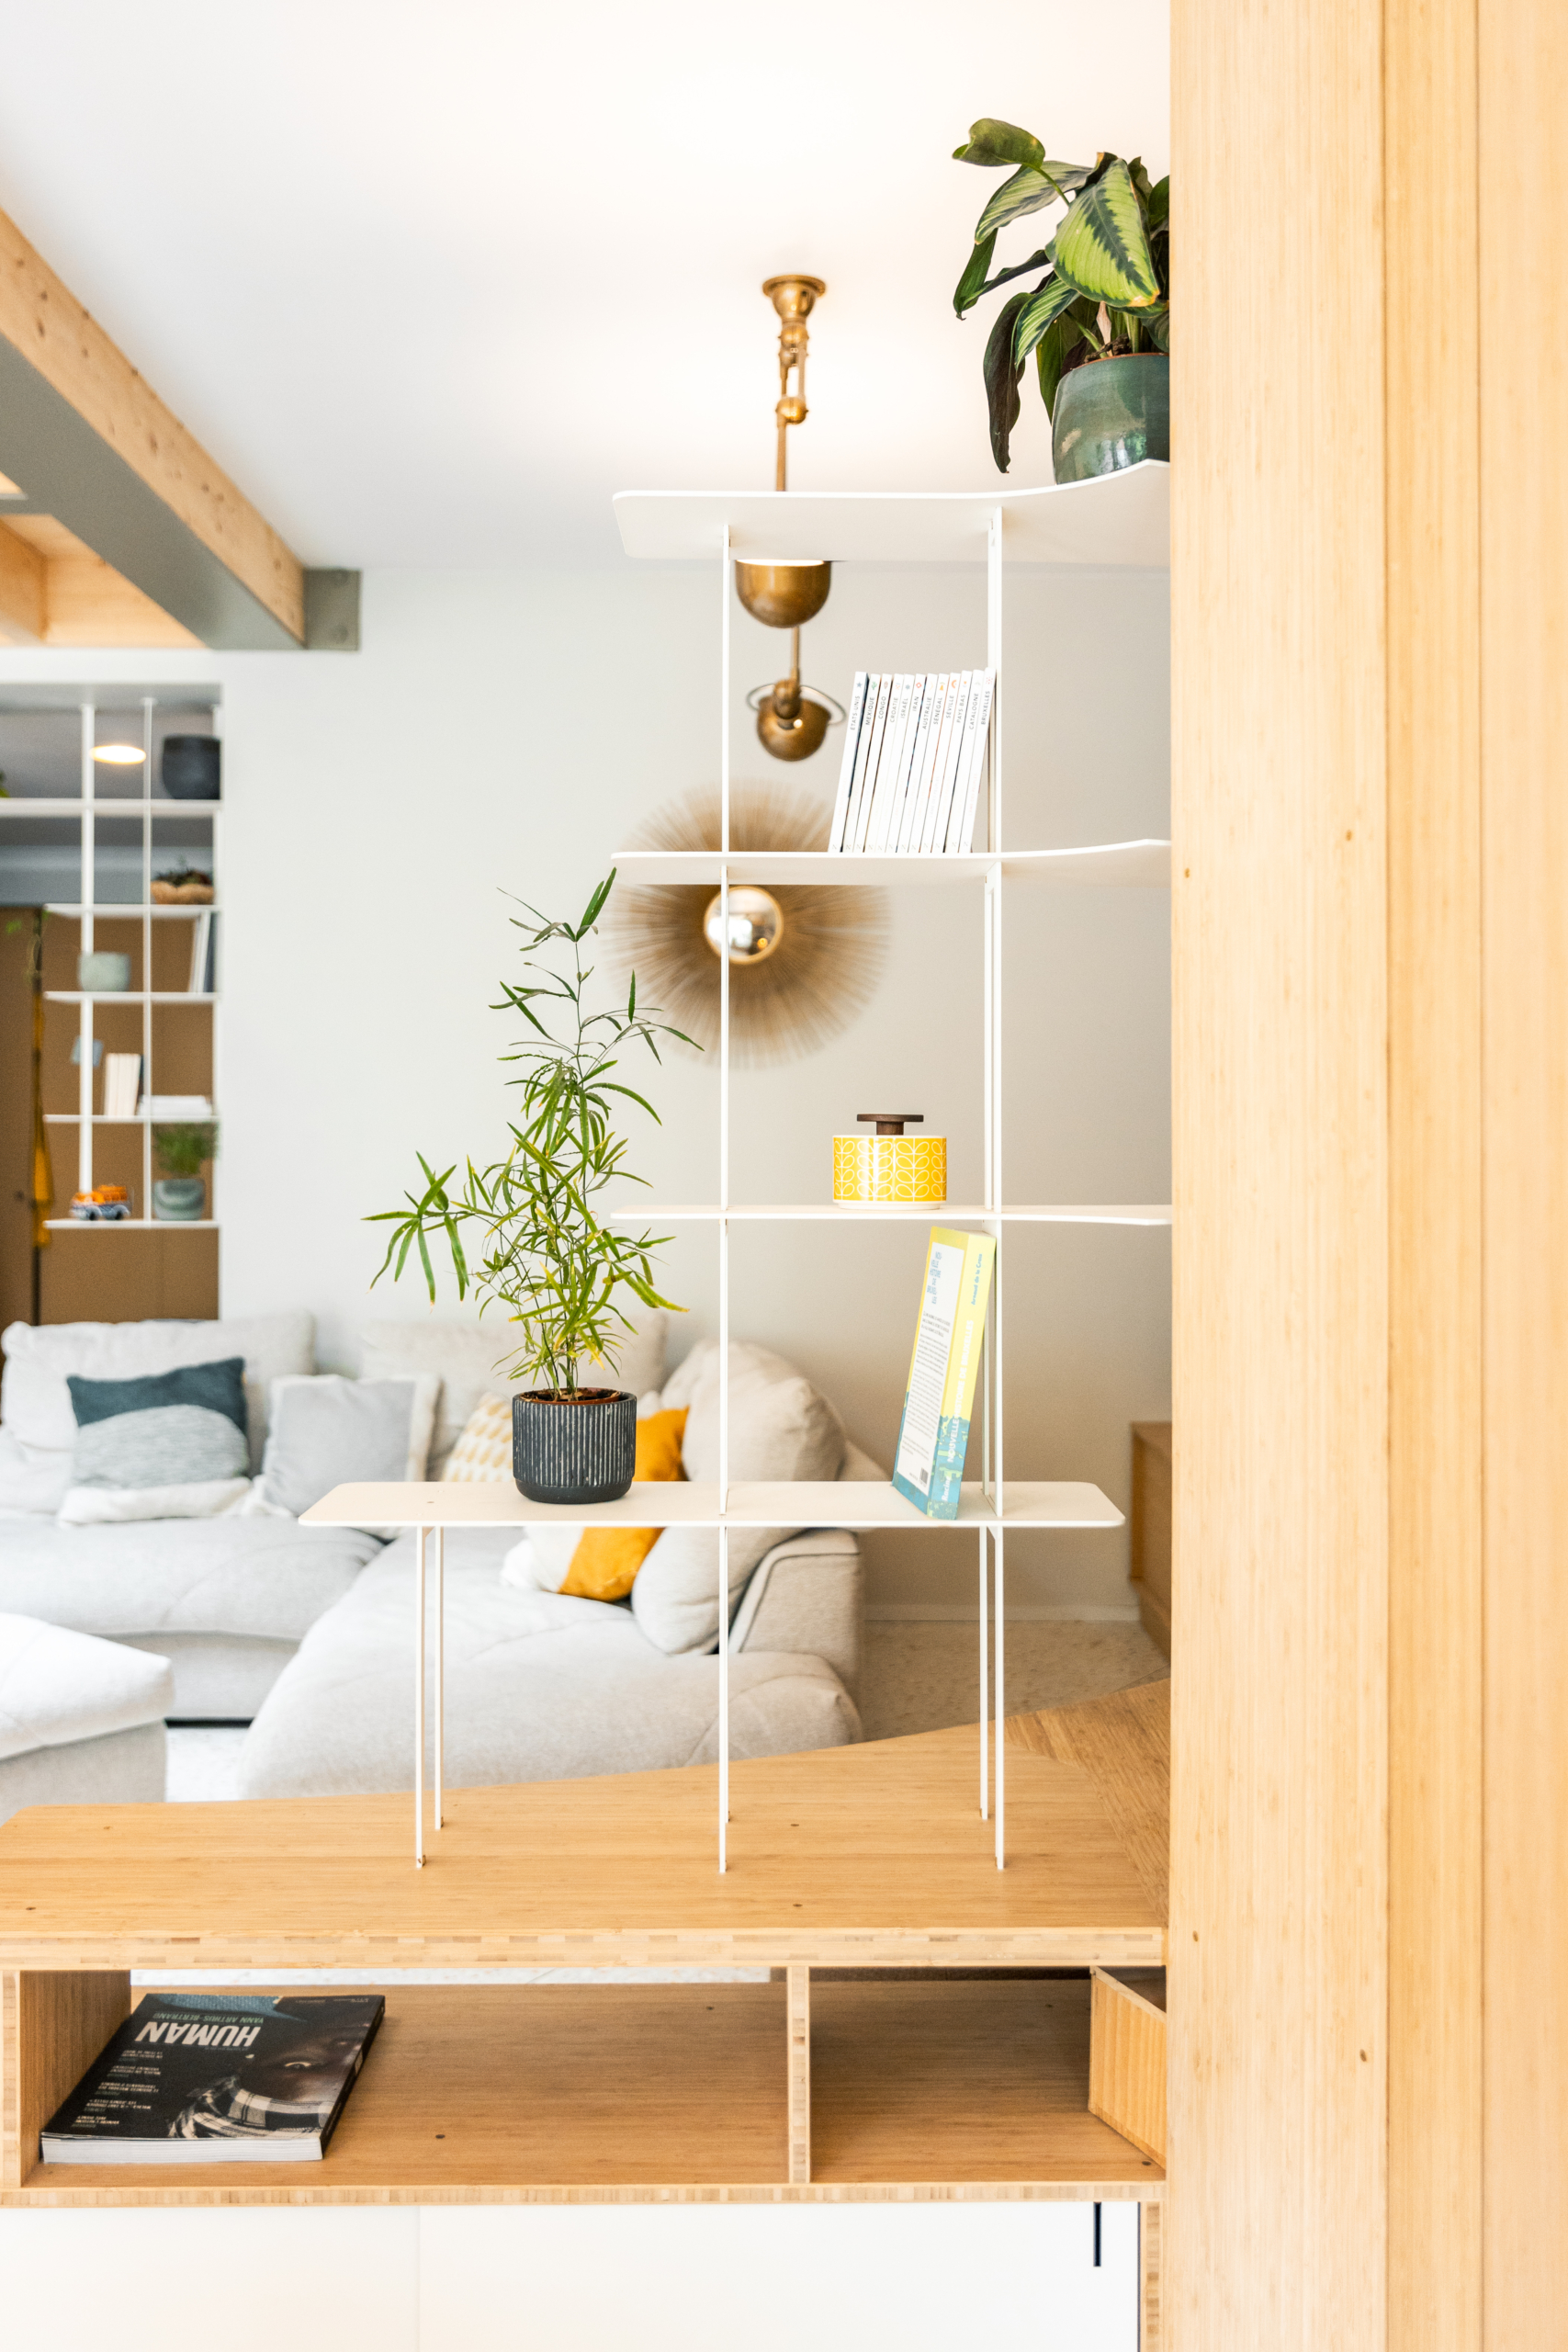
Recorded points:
(573,1454)
(192,766)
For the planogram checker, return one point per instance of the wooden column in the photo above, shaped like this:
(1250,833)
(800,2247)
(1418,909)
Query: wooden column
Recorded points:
(1279,887)
(1369,2017)
(1523,156)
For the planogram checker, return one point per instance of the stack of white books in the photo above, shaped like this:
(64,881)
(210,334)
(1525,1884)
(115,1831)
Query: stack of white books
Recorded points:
(122,1081)
(913,755)
(174,1107)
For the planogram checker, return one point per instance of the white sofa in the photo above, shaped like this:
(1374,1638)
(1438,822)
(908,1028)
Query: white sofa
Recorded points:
(226,1601)
(541,1687)
(538,1685)
(81,1721)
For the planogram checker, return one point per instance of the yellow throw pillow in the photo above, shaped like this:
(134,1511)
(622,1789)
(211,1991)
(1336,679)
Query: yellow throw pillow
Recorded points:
(605,1565)
(483,1452)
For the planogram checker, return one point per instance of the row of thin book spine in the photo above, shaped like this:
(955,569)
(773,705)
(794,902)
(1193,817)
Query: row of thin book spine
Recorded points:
(913,755)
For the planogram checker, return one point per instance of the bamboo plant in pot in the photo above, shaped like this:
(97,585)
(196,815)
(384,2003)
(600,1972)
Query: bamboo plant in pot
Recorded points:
(543,1255)
(1097,323)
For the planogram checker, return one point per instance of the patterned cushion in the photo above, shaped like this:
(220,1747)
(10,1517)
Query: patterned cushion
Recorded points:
(483,1452)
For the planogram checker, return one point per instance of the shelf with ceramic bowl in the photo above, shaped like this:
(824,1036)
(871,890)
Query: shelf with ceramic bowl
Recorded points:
(1155,1213)
(1136,865)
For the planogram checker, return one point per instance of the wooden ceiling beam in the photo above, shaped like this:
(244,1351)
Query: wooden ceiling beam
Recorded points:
(90,443)
(24,598)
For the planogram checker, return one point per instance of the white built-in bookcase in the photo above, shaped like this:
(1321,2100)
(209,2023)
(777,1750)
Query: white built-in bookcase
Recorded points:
(27,812)
(1117,520)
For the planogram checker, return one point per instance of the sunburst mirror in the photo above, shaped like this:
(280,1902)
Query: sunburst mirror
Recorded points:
(804,958)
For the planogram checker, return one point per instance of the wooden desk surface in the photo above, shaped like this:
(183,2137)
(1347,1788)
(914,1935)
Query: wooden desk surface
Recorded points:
(874,1854)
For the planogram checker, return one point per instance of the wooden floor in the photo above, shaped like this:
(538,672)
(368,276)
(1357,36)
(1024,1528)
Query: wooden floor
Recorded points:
(931,2084)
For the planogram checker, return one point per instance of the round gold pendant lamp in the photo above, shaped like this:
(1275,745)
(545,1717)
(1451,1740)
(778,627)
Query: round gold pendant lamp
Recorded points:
(804,958)
(792,720)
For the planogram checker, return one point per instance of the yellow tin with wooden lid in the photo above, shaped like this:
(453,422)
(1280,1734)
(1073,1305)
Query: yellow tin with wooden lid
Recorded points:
(889,1165)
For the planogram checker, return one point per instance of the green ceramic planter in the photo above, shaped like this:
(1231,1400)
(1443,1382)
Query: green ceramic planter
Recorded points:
(1110,414)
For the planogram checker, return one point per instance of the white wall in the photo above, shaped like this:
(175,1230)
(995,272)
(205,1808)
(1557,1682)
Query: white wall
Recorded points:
(502,731)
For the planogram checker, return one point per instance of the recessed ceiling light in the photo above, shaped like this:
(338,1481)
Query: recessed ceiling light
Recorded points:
(120,755)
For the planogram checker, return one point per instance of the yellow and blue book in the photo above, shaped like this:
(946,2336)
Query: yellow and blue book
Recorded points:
(933,1435)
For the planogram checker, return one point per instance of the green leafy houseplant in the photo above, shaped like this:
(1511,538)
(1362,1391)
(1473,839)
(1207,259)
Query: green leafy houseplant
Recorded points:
(542,1254)
(1105,290)
(182,1149)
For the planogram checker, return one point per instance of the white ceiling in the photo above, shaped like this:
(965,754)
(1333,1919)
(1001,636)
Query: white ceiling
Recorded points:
(433,281)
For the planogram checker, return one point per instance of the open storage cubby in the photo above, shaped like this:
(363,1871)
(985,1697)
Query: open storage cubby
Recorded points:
(924,2030)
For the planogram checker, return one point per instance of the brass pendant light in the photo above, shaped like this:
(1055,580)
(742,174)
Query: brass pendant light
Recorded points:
(790,723)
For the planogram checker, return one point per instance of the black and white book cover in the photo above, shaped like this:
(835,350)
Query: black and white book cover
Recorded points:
(201,2078)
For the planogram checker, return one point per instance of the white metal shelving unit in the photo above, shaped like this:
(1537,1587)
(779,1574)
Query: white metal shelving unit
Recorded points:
(1121,520)
(88,909)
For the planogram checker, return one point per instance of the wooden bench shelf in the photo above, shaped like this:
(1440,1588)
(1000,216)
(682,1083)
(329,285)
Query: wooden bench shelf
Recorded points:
(829,2083)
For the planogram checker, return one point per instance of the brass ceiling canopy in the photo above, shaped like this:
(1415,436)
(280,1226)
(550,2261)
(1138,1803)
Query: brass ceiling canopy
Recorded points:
(791,723)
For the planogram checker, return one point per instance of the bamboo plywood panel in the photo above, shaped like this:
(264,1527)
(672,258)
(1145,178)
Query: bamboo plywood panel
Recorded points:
(960,2082)
(531,2087)
(1523,171)
(1435,1116)
(1127,2064)
(1123,1743)
(869,1853)
(51,2028)
(1280,1665)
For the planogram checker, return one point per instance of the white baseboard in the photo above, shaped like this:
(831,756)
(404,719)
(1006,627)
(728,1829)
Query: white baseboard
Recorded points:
(1026,1612)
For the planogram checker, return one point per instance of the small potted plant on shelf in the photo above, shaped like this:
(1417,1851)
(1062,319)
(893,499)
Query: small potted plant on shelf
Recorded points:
(181,1150)
(181,886)
(1097,323)
(543,1255)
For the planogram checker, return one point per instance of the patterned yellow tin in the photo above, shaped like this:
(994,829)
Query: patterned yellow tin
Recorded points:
(890,1165)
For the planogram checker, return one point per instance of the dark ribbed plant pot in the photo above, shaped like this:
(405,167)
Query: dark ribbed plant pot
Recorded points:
(574,1454)
(1112,414)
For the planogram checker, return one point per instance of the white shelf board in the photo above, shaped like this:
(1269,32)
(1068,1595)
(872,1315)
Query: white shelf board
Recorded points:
(1140,864)
(1122,519)
(25,805)
(133,1119)
(119,912)
(126,996)
(679,1503)
(890,1213)
(131,1224)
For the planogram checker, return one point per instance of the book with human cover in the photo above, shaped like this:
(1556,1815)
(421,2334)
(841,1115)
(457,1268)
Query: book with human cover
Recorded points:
(202,2078)
(933,1434)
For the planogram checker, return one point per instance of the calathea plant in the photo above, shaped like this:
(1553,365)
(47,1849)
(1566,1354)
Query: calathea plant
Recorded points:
(1105,291)
(541,1253)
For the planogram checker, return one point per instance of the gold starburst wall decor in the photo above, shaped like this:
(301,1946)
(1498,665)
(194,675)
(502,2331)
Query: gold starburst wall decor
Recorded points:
(804,957)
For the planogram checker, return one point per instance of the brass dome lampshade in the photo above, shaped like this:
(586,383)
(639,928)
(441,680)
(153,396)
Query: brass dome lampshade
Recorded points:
(787,592)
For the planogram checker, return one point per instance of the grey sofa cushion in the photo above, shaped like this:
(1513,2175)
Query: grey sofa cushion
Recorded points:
(265,1578)
(539,1688)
